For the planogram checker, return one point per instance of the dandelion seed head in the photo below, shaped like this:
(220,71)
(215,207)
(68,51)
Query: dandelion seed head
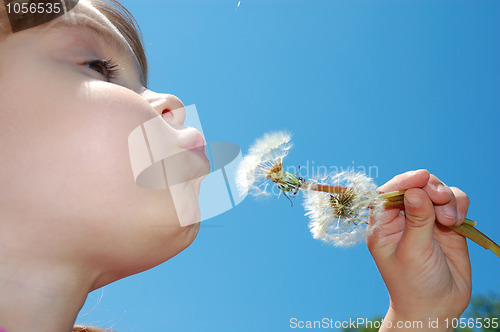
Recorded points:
(264,162)
(342,219)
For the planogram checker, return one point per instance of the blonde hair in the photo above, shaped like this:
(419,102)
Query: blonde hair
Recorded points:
(114,11)
(123,20)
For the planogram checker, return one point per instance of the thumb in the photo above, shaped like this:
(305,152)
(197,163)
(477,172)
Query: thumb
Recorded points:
(420,220)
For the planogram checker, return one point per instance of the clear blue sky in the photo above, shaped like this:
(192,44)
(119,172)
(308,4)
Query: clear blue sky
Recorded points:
(398,85)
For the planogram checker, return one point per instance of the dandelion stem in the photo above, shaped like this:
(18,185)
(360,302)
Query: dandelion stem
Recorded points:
(475,235)
(393,194)
(326,188)
(395,199)
(469,222)
(395,203)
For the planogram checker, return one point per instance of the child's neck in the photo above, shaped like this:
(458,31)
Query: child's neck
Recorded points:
(38,296)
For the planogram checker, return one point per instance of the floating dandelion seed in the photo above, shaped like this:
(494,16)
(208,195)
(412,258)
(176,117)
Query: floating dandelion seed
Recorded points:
(342,218)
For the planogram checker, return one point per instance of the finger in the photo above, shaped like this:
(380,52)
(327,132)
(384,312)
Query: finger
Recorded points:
(462,204)
(445,205)
(412,179)
(384,237)
(438,192)
(420,221)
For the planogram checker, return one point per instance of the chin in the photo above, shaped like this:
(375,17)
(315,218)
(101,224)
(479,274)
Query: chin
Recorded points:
(158,251)
(178,242)
(191,232)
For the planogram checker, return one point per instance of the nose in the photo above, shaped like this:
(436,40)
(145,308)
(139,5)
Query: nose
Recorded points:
(168,106)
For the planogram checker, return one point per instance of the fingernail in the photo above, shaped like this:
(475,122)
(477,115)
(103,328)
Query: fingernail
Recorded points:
(441,187)
(450,213)
(438,186)
(414,200)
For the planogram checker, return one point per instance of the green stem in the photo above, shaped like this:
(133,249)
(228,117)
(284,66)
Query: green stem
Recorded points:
(393,194)
(469,222)
(475,235)
(395,199)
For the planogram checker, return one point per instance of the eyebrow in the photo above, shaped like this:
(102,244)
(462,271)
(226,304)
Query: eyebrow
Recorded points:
(109,38)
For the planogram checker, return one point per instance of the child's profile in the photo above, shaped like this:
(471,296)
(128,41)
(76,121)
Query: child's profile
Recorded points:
(72,218)
(76,87)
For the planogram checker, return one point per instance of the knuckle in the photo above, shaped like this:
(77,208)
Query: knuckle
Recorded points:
(418,219)
(459,194)
(433,178)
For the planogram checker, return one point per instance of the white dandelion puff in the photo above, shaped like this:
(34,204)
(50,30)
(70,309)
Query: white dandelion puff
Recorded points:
(338,205)
(264,164)
(342,218)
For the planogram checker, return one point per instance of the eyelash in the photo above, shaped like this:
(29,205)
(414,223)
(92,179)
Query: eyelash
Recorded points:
(107,68)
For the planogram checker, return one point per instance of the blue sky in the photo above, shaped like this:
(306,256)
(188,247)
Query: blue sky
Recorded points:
(396,85)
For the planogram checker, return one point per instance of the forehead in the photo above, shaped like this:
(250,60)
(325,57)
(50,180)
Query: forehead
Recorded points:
(85,16)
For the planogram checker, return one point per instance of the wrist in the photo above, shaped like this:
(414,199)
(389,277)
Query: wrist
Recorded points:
(414,321)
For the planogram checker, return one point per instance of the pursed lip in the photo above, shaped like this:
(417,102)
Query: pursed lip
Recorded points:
(191,139)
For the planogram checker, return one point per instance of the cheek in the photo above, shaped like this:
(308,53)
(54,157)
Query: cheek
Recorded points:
(97,138)
(74,147)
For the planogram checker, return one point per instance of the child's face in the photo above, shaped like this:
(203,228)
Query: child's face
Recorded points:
(64,123)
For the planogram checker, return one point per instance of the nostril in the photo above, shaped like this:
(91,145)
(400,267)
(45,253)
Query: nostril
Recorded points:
(167,114)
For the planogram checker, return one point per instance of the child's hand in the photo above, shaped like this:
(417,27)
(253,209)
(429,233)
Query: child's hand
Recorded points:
(425,265)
